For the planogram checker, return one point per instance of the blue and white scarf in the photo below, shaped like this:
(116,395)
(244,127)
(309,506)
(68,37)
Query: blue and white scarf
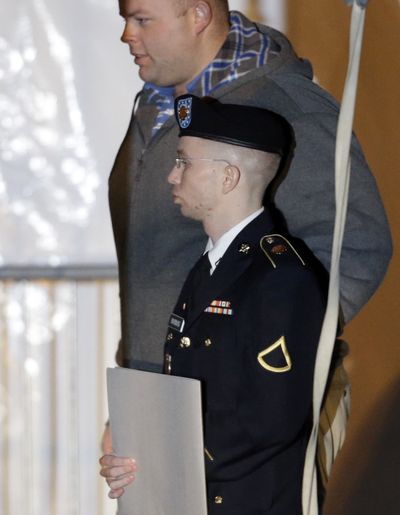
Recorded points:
(244,49)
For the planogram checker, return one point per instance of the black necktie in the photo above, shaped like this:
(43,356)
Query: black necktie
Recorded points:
(201,275)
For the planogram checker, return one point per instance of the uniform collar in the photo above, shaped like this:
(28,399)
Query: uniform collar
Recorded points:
(238,257)
(217,250)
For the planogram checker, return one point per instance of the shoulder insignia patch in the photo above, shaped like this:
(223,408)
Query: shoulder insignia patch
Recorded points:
(275,245)
(275,358)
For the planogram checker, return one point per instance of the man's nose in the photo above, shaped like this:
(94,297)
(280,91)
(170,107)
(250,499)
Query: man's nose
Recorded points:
(174,176)
(129,34)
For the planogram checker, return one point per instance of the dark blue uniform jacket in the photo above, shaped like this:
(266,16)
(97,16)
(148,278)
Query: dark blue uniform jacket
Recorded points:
(250,333)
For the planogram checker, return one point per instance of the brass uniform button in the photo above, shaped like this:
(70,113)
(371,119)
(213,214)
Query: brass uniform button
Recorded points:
(170,336)
(185,342)
(218,499)
(168,364)
(207,342)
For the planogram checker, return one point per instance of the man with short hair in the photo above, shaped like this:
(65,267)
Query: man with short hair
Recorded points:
(248,319)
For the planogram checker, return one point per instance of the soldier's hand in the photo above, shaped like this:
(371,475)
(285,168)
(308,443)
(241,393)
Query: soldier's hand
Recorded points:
(106,440)
(118,472)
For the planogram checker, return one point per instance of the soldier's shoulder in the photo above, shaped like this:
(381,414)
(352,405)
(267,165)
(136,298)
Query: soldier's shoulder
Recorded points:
(280,250)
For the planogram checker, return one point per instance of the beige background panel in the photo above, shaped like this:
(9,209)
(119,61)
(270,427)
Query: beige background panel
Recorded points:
(365,479)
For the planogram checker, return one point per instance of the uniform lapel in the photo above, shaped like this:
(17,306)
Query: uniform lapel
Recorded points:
(236,260)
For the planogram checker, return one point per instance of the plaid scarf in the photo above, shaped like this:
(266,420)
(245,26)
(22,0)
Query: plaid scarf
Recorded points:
(244,49)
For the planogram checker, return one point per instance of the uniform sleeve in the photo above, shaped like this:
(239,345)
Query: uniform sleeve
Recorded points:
(279,357)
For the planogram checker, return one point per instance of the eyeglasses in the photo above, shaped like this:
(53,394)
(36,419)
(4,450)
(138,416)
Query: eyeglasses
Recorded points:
(182,161)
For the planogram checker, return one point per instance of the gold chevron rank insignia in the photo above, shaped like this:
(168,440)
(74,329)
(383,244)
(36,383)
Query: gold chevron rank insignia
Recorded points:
(275,358)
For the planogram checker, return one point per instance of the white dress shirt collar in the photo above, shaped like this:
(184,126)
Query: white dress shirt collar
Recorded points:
(217,250)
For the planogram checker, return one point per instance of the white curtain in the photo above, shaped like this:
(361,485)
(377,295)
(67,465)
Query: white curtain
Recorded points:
(67,86)
(56,339)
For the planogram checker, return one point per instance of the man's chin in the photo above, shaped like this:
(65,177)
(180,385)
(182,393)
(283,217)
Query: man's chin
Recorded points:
(184,213)
(147,74)
(189,214)
(143,75)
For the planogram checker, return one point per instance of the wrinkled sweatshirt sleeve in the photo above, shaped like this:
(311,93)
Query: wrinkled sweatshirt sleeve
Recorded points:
(306,197)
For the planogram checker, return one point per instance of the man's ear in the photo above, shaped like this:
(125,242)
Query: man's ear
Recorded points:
(231,178)
(202,15)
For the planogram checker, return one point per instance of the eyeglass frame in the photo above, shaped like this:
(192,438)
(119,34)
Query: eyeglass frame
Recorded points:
(180,160)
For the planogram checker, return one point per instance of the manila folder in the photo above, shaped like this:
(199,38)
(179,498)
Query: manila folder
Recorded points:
(157,420)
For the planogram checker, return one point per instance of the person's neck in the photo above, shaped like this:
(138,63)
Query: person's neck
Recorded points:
(209,46)
(222,222)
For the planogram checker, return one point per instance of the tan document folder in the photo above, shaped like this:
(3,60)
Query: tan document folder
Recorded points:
(157,420)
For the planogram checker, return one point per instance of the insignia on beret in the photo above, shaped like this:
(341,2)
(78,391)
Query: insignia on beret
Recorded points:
(184,110)
(242,125)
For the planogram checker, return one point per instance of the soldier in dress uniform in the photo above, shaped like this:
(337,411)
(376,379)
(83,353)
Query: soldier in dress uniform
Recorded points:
(248,319)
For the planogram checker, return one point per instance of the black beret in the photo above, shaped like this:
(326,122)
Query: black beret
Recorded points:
(245,126)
